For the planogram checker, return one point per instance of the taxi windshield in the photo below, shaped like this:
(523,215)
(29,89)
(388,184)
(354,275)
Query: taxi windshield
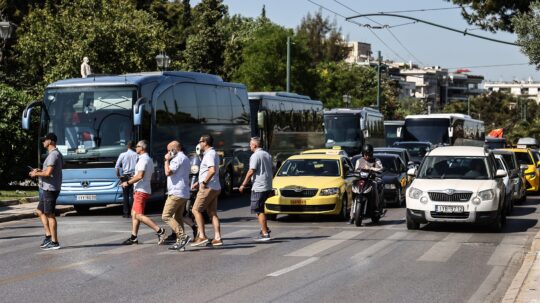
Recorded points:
(310,167)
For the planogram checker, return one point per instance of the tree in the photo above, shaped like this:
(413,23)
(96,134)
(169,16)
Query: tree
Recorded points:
(205,47)
(112,33)
(527,27)
(323,38)
(493,15)
(20,148)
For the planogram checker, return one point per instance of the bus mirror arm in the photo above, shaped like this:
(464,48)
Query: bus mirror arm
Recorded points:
(138,110)
(27,113)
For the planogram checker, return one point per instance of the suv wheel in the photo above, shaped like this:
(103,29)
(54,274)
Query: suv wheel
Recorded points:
(411,224)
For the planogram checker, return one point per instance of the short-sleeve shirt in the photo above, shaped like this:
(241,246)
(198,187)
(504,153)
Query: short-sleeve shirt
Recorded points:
(210,159)
(261,163)
(127,161)
(54,181)
(362,162)
(178,182)
(145,164)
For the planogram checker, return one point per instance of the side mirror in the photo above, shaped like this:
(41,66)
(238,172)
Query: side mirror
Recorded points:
(261,119)
(138,110)
(27,114)
(523,167)
(411,163)
(411,172)
(500,173)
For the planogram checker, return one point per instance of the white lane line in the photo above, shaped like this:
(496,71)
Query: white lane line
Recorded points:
(506,250)
(378,246)
(322,245)
(443,250)
(257,246)
(239,233)
(484,292)
(293,267)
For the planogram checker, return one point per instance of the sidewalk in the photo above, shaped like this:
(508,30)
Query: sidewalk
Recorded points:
(12,210)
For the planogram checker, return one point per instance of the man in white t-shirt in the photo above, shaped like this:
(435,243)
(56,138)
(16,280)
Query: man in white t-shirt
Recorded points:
(141,186)
(209,189)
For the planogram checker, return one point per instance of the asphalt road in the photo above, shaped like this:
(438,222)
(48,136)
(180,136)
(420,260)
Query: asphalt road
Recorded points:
(311,259)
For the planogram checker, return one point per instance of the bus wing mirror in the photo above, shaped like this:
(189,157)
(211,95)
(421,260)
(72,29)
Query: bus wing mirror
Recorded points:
(27,115)
(138,110)
(450,132)
(261,119)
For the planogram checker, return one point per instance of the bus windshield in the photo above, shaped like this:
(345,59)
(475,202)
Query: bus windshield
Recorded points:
(429,129)
(342,128)
(93,124)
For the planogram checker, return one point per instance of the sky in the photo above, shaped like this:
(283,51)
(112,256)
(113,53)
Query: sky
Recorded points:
(423,44)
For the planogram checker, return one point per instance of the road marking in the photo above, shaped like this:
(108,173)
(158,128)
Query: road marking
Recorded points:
(259,246)
(379,245)
(293,267)
(443,250)
(506,250)
(484,292)
(323,245)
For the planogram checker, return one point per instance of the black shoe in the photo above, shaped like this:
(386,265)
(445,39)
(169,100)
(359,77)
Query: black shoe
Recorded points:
(130,241)
(45,242)
(52,246)
(195,231)
(171,238)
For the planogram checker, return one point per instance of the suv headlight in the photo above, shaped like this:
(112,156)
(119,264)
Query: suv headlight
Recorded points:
(486,194)
(329,191)
(390,186)
(415,193)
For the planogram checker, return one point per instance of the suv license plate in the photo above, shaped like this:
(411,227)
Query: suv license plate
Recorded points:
(449,208)
(86,197)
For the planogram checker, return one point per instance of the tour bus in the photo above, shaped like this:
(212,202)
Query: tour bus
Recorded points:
(444,129)
(287,123)
(351,128)
(392,131)
(94,118)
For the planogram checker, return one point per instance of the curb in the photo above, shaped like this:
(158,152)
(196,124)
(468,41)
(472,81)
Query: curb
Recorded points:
(520,289)
(33,214)
(19,201)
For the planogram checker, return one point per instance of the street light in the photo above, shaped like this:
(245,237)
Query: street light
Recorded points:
(6,29)
(163,61)
(347,100)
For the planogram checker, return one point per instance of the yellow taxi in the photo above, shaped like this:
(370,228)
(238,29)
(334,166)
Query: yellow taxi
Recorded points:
(532,174)
(311,184)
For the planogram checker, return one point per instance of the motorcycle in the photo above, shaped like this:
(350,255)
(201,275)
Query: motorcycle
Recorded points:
(195,163)
(362,186)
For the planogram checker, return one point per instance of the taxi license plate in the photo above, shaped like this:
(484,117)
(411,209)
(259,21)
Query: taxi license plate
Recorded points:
(86,197)
(449,208)
(298,202)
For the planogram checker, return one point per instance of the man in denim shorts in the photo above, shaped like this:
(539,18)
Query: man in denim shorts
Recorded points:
(260,170)
(50,181)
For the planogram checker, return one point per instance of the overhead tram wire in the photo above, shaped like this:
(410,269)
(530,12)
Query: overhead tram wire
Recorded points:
(389,31)
(426,9)
(487,66)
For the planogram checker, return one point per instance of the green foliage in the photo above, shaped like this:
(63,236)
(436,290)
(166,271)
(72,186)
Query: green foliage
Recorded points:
(18,146)
(115,36)
(527,27)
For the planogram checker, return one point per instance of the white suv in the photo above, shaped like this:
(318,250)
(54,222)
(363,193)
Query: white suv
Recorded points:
(457,184)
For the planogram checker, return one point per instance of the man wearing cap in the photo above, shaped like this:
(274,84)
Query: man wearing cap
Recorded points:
(50,181)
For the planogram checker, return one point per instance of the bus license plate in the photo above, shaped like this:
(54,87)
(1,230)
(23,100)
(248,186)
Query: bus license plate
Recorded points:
(298,202)
(86,197)
(449,209)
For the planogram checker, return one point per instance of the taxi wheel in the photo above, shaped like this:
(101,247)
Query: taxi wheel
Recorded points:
(344,214)
(82,209)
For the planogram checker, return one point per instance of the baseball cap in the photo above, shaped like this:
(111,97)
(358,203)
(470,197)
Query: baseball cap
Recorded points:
(49,136)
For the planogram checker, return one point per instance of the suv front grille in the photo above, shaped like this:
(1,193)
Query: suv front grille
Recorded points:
(304,193)
(455,197)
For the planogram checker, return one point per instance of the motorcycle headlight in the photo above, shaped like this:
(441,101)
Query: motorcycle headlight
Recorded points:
(390,186)
(486,194)
(329,191)
(415,193)
(364,175)
(194,169)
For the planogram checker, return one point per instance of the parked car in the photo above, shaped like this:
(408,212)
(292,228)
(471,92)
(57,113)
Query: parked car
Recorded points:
(394,178)
(516,174)
(532,175)
(457,184)
(417,149)
(311,184)
(508,186)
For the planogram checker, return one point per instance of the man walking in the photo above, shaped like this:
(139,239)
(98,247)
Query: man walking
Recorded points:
(50,181)
(177,168)
(125,168)
(141,185)
(209,189)
(260,172)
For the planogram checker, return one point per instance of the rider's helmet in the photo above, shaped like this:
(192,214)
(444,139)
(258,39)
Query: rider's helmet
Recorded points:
(367,150)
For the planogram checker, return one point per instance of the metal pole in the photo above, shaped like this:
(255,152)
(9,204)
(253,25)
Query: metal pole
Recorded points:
(469,106)
(379,80)
(288,64)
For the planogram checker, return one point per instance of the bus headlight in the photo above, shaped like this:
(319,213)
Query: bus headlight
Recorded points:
(415,193)
(329,191)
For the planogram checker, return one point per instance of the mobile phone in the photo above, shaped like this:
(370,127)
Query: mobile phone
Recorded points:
(172,153)
(30,167)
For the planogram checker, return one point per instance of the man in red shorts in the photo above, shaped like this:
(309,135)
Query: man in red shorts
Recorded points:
(141,185)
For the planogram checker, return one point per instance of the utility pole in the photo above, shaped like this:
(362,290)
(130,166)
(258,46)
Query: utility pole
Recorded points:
(379,59)
(288,64)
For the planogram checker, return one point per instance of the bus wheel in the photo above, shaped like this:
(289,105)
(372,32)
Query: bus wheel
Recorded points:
(82,209)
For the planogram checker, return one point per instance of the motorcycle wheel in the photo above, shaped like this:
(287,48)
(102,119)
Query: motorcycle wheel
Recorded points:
(358,213)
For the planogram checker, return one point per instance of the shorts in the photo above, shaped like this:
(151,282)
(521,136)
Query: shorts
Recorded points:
(206,200)
(139,202)
(47,201)
(258,199)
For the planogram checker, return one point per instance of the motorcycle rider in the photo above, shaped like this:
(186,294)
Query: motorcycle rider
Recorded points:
(368,162)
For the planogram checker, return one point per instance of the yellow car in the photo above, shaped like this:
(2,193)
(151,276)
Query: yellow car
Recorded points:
(311,184)
(532,174)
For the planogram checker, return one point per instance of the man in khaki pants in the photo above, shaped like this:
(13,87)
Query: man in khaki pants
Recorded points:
(177,170)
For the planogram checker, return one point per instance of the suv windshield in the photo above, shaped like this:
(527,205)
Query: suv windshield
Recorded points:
(310,167)
(450,167)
